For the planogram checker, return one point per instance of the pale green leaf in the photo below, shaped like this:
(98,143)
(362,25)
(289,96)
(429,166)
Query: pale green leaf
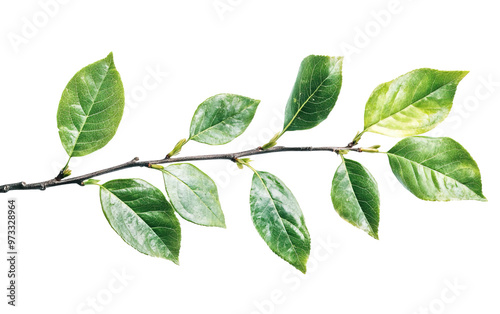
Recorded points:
(436,169)
(193,195)
(91,108)
(355,196)
(412,104)
(222,118)
(141,215)
(279,220)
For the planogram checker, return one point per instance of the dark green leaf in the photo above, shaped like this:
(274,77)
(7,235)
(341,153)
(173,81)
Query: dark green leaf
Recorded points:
(193,195)
(91,108)
(277,217)
(222,118)
(355,196)
(413,103)
(141,215)
(315,92)
(436,169)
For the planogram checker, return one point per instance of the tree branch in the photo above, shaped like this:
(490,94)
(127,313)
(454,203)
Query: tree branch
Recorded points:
(136,163)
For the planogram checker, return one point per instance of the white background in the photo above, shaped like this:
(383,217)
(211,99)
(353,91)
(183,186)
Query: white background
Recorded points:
(70,256)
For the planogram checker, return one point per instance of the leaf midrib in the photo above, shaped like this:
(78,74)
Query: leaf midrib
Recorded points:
(139,217)
(305,102)
(201,200)
(357,201)
(222,121)
(426,167)
(281,219)
(410,105)
(90,110)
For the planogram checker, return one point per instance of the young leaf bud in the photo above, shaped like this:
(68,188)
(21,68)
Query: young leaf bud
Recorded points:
(177,148)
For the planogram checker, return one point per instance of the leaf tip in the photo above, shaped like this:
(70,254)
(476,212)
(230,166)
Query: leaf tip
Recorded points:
(109,59)
(300,266)
(462,74)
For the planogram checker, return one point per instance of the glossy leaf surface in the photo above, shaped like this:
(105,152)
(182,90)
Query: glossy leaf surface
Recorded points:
(436,169)
(315,92)
(91,108)
(412,104)
(355,196)
(222,118)
(141,215)
(279,220)
(193,195)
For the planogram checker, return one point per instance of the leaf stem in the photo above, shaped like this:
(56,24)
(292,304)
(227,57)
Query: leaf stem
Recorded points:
(251,168)
(67,163)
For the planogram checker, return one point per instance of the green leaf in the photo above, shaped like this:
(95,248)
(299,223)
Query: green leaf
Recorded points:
(412,104)
(193,195)
(141,215)
(91,108)
(355,196)
(315,92)
(436,169)
(277,217)
(222,118)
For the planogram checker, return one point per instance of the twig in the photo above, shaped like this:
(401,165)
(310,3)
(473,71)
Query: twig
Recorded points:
(136,163)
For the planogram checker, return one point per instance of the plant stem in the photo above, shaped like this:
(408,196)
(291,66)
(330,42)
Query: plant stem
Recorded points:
(147,163)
